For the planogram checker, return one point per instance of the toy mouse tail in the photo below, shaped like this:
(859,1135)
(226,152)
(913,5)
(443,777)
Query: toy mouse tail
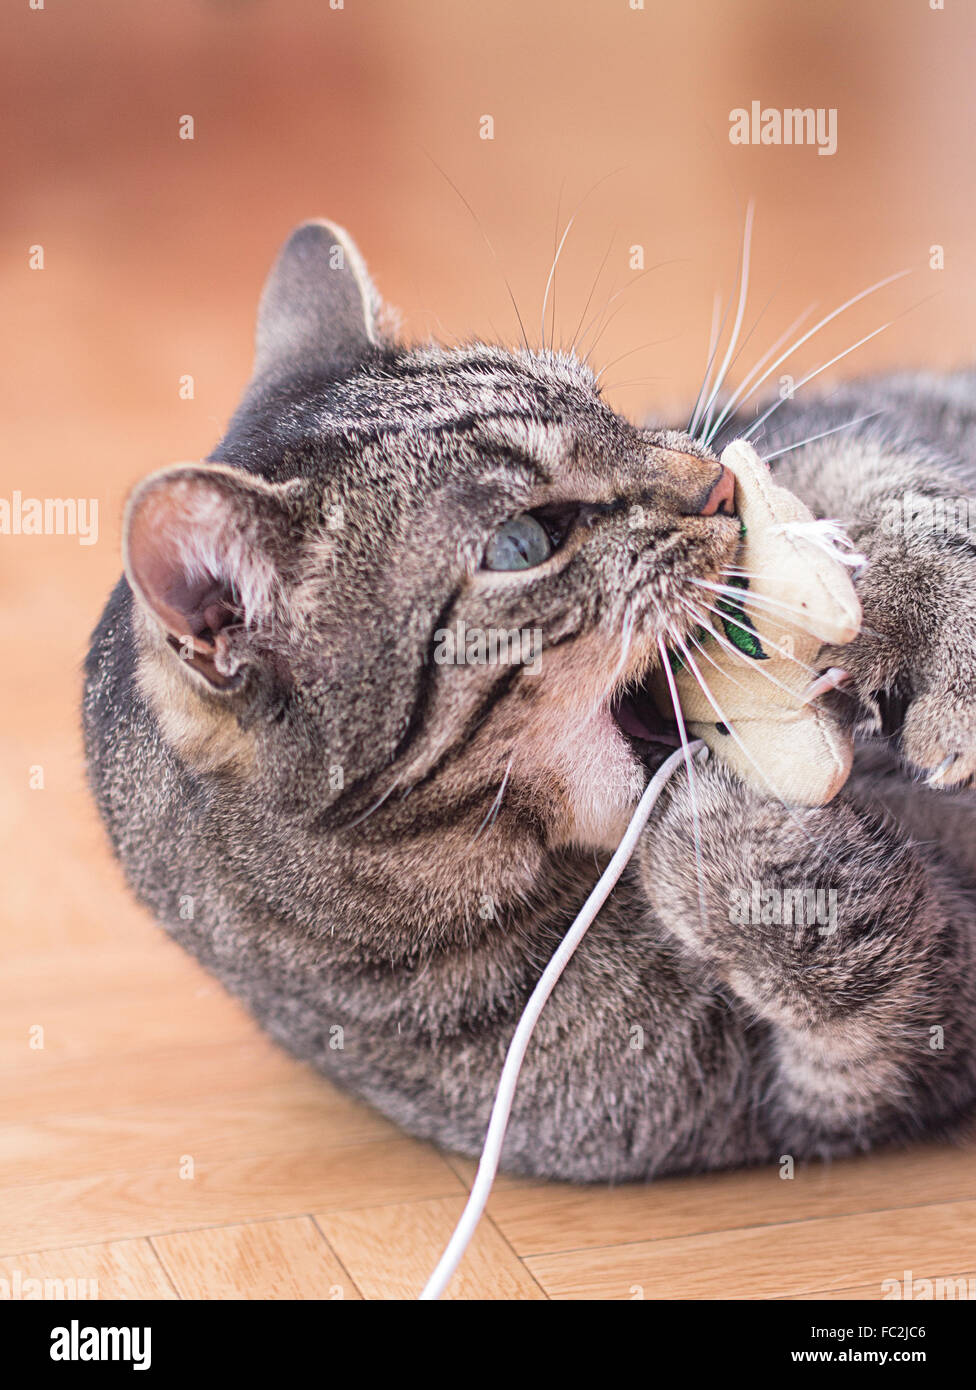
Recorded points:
(828,536)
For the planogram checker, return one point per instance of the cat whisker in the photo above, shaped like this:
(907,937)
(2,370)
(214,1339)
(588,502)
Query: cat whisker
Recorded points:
(733,650)
(626,638)
(630,381)
(828,536)
(747,596)
(477,220)
(737,396)
(604,326)
(654,342)
(787,333)
(589,297)
(742,346)
(659,265)
(743,278)
(375,807)
(741,572)
(771,616)
(842,541)
(489,819)
(810,376)
(690,636)
(769,606)
(609,320)
(715,334)
(753,577)
(781,651)
(806,695)
(549,283)
(692,789)
(555,252)
(812,438)
(699,612)
(747,661)
(723,719)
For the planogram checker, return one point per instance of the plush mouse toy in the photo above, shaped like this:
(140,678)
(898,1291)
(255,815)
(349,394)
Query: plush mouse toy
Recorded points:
(775,734)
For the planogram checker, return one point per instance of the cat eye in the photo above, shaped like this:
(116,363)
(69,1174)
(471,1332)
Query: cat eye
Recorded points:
(521,543)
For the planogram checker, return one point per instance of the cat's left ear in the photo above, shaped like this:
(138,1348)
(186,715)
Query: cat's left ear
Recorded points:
(319,310)
(206,550)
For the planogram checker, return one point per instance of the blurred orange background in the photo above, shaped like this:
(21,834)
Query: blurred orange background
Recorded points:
(155,247)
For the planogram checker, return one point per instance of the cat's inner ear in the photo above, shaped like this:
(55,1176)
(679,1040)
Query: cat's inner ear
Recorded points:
(318,312)
(203,547)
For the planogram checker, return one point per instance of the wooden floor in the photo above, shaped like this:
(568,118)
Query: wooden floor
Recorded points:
(161,1146)
(150,1137)
(158,1144)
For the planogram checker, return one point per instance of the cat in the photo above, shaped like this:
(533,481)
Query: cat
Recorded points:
(378,851)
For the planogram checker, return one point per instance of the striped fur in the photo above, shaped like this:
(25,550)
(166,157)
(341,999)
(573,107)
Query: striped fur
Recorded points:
(377,853)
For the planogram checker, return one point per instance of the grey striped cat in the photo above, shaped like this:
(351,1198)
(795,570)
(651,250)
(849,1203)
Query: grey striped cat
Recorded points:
(373,820)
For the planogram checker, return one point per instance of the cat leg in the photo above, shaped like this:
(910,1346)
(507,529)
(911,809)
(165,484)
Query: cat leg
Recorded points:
(912,669)
(839,934)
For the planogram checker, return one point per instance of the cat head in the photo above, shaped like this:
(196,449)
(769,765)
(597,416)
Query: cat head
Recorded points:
(419,590)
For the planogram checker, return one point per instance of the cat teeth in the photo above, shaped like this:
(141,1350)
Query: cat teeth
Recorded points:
(832,679)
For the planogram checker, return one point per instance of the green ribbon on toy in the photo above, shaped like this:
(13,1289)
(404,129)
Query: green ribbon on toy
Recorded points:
(738,627)
(736,622)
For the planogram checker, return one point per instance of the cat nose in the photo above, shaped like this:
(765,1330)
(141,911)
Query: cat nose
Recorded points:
(722,496)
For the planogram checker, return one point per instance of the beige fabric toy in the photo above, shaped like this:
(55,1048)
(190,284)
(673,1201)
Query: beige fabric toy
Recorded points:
(781,742)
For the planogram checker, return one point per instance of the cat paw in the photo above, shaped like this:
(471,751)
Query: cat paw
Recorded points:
(909,676)
(927,711)
(938,738)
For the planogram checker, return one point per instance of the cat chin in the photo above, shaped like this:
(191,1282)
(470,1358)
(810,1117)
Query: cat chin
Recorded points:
(604,773)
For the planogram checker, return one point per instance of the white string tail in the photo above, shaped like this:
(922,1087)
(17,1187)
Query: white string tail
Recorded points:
(828,536)
(505,1094)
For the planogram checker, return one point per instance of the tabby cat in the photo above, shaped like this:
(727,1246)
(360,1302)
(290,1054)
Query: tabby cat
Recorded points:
(377,849)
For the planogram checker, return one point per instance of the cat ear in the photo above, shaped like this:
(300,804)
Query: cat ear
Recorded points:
(203,546)
(319,309)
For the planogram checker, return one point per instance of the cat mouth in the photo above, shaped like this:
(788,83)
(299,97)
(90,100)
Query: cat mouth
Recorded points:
(638,718)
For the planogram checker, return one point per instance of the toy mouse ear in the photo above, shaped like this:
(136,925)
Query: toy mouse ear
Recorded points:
(319,310)
(203,546)
(801,563)
(750,473)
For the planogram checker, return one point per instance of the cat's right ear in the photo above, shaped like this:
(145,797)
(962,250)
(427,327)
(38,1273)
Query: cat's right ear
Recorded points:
(205,547)
(319,310)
